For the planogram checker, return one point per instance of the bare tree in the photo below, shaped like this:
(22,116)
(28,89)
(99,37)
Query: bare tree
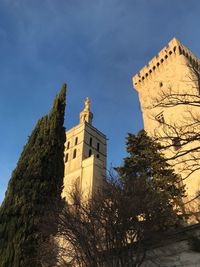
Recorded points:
(119,224)
(108,230)
(181,137)
(95,233)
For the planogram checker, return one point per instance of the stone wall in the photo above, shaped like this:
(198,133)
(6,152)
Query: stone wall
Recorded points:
(174,250)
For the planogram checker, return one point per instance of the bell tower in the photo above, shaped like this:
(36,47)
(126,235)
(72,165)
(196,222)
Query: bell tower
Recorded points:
(84,157)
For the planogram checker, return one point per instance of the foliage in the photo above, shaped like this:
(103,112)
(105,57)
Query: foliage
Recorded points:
(151,182)
(117,226)
(36,181)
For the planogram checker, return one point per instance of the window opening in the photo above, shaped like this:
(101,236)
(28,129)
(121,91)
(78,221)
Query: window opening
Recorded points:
(176,143)
(160,118)
(98,147)
(90,153)
(74,154)
(90,141)
(68,145)
(66,157)
(76,141)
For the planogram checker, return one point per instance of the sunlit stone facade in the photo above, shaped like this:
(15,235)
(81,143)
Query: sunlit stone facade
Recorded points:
(84,157)
(172,70)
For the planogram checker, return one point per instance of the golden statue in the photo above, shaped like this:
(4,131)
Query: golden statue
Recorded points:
(87,104)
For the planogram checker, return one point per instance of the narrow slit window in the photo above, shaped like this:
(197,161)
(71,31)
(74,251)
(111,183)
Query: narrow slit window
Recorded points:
(76,141)
(68,145)
(90,141)
(98,147)
(74,154)
(90,153)
(66,157)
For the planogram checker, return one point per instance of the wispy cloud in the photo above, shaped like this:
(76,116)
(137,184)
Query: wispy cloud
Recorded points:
(96,46)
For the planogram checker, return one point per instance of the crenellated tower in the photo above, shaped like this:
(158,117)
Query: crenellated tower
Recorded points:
(174,71)
(84,157)
(170,69)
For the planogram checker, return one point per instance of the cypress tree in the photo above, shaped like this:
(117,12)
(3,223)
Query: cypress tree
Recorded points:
(151,183)
(35,184)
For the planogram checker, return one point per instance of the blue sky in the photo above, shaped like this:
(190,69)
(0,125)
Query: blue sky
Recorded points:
(96,46)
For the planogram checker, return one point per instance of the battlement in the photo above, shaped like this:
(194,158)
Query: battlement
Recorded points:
(174,48)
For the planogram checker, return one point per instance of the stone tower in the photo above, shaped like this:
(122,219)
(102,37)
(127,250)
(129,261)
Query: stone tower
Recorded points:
(84,157)
(175,70)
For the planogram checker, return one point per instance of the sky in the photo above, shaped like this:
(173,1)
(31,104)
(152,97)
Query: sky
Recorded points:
(95,46)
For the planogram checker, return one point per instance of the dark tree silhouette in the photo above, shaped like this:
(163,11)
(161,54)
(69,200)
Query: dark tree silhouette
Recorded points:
(36,182)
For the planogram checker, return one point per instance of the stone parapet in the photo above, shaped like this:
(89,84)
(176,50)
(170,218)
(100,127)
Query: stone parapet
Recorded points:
(174,48)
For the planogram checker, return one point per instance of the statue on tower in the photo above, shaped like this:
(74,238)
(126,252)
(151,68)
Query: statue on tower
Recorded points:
(87,104)
(86,115)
